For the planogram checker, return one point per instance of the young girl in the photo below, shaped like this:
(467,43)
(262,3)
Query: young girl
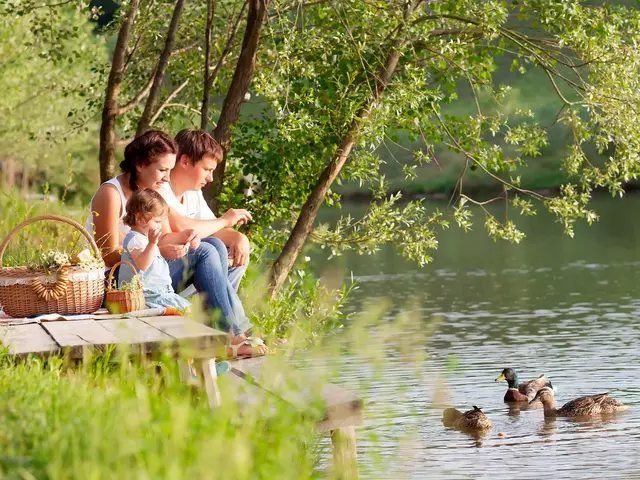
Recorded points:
(146,213)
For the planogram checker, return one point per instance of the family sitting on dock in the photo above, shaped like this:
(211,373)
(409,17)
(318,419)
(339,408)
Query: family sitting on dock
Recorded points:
(154,215)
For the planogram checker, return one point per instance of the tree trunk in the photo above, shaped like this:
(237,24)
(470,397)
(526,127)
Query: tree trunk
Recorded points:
(208,77)
(237,90)
(110,110)
(281,267)
(163,62)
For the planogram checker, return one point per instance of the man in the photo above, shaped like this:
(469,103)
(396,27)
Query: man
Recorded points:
(198,156)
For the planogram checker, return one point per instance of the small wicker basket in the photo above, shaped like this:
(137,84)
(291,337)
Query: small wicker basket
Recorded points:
(69,291)
(123,301)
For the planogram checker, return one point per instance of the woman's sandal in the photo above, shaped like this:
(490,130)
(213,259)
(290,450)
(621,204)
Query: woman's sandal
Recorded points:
(252,342)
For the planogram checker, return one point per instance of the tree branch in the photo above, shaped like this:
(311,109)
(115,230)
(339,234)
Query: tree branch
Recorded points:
(239,87)
(130,105)
(229,46)
(304,225)
(204,114)
(167,102)
(163,61)
(110,109)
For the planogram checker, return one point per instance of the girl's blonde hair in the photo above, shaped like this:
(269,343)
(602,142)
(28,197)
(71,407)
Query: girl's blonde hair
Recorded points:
(143,206)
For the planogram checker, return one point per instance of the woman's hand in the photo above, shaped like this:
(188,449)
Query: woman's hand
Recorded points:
(193,239)
(173,251)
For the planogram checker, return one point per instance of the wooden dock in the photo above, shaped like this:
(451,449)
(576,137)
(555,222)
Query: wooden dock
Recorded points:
(79,339)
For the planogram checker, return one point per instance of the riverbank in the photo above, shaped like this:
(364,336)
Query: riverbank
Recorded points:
(478,192)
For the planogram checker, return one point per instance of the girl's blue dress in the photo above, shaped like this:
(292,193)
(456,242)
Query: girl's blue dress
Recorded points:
(156,280)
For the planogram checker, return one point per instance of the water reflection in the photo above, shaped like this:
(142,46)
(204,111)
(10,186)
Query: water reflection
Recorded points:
(554,305)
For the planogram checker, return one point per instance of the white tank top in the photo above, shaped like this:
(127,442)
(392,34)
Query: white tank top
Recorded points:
(122,228)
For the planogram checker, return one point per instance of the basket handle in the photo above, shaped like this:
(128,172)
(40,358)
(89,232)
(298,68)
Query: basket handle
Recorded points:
(122,262)
(57,218)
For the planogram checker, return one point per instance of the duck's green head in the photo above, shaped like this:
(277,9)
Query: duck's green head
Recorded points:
(509,374)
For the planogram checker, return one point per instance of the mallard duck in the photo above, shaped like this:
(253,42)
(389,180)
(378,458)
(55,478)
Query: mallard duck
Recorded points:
(521,392)
(580,407)
(470,420)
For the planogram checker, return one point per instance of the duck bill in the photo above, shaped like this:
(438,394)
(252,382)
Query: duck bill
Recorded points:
(500,378)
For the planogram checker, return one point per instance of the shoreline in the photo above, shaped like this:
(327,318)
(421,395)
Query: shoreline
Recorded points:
(483,193)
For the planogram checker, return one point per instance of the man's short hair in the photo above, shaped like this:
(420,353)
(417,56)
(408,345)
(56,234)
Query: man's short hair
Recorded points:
(196,144)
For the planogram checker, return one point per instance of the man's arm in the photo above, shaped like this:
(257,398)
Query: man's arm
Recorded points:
(206,228)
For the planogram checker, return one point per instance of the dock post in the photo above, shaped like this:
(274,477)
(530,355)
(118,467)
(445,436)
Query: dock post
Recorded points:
(345,456)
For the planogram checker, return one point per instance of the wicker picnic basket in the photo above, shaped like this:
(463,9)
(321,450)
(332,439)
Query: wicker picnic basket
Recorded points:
(71,290)
(123,301)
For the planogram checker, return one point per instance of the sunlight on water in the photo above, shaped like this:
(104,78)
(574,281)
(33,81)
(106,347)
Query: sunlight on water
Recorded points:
(565,308)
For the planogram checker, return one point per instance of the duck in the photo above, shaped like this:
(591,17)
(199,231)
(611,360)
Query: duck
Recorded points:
(521,392)
(587,406)
(470,420)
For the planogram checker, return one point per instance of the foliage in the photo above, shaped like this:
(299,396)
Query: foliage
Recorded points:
(48,56)
(306,306)
(134,285)
(318,65)
(317,69)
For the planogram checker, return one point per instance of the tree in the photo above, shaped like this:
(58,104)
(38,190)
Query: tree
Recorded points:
(110,111)
(332,115)
(333,84)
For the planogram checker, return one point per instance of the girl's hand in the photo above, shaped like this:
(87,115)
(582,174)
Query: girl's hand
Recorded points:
(154,234)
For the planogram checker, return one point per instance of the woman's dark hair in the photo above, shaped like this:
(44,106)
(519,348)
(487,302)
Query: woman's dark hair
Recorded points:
(143,151)
(143,206)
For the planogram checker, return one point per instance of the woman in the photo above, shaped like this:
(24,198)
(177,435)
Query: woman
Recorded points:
(148,159)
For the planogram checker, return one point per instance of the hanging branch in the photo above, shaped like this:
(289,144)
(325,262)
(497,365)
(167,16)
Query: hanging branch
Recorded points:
(225,52)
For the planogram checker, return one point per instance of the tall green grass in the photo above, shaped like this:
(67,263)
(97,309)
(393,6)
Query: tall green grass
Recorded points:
(139,421)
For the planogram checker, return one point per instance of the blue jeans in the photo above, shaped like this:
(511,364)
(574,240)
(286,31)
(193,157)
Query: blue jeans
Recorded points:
(234,274)
(207,267)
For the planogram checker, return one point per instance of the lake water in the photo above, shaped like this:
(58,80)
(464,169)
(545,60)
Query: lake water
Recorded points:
(564,307)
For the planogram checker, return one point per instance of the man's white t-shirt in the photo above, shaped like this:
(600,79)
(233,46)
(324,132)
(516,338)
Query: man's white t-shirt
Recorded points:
(193,204)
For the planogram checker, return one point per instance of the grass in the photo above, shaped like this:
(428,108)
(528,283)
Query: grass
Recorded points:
(136,420)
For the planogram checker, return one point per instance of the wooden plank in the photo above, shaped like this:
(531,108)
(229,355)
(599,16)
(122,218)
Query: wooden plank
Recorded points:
(132,331)
(341,407)
(77,336)
(247,396)
(29,338)
(181,328)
